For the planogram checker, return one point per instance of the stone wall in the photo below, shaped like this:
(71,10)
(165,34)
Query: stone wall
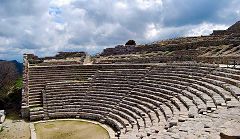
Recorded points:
(119,49)
(25,90)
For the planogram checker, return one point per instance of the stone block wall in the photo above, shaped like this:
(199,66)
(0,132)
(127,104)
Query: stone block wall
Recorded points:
(25,102)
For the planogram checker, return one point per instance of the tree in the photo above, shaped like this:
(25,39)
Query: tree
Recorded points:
(8,77)
(131,42)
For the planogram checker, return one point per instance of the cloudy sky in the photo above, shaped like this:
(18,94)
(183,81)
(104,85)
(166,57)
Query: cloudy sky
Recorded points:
(45,27)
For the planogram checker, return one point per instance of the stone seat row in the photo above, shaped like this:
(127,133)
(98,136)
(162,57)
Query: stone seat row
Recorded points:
(196,78)
(135,111)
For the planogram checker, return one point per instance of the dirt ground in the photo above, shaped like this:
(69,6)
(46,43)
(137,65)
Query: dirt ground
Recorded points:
(15,128)
(70,130)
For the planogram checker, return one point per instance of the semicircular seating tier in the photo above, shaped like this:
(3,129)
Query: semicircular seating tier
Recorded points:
(137,101)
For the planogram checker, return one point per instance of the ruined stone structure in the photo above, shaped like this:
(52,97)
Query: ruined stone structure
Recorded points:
(140,100)
(62,58)
(220,47)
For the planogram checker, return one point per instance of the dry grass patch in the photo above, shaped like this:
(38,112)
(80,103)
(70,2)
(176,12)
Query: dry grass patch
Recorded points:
(70,130)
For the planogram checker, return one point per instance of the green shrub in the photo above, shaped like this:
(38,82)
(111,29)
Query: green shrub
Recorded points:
(19,83)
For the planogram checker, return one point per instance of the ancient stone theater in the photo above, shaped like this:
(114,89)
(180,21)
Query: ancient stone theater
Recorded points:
(182,87)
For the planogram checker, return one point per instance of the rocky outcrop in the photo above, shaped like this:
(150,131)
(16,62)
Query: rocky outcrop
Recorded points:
(234,29)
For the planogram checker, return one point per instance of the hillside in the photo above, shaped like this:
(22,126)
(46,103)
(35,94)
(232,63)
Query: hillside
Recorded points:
(10,81)
(19,66)
(222,46)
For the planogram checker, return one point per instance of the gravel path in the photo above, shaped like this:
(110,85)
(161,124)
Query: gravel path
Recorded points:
(15,129)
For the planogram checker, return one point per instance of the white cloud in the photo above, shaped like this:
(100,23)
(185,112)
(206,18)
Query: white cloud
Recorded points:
(28,31)
(146,4)
(205,29)
(121,5)
(5,41)
(60,3)
(151,31)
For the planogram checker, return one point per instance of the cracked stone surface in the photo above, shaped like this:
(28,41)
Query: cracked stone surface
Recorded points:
(223,120)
